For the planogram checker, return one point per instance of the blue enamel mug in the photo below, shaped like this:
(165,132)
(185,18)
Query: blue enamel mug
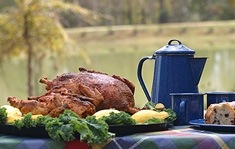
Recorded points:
(187,106)
(217,97)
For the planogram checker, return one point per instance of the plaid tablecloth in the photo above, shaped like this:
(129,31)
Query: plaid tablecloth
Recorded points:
(183,138)
(16,142)
(179,138)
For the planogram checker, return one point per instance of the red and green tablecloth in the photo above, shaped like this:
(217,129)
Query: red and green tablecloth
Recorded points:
(182,138)
(16,142)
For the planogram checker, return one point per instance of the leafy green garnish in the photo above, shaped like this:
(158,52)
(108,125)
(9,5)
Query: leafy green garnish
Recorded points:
(43,120)
(172,114)
(3,115)
(154,120)
(121,118)
(26,121)
(90,129)
(150,105)
(64,127)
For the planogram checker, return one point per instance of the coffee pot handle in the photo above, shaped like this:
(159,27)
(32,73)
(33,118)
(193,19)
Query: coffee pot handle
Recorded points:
(139,74)
(179,42)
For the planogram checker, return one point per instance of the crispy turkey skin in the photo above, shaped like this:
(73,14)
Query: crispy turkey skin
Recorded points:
(88,91)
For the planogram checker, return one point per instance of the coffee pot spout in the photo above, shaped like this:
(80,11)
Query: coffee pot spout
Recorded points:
(197,66)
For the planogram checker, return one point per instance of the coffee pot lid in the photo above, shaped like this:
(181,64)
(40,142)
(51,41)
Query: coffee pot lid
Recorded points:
(175,48)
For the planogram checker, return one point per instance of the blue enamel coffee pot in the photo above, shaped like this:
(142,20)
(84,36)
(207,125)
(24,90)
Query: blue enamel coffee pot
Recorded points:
(175,71)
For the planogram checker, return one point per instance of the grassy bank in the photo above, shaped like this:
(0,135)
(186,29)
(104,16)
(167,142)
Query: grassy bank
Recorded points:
(202,35)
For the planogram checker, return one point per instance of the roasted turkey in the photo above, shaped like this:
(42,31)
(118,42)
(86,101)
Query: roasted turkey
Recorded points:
(54,103)
(84,93)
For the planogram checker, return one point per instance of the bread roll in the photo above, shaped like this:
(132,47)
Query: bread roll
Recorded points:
(221,114)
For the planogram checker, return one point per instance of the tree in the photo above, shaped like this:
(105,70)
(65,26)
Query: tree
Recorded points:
(33,28)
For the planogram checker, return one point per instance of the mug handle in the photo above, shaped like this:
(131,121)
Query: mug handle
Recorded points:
(224,99)
(182,110)
(139,74)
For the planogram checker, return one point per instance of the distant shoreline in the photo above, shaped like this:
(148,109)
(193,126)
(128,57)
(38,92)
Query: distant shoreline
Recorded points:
(196,35)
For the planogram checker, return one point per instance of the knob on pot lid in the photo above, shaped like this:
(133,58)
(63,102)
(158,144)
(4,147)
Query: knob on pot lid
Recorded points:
(175,48)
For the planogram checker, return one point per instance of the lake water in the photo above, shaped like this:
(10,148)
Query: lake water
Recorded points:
(218,74)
